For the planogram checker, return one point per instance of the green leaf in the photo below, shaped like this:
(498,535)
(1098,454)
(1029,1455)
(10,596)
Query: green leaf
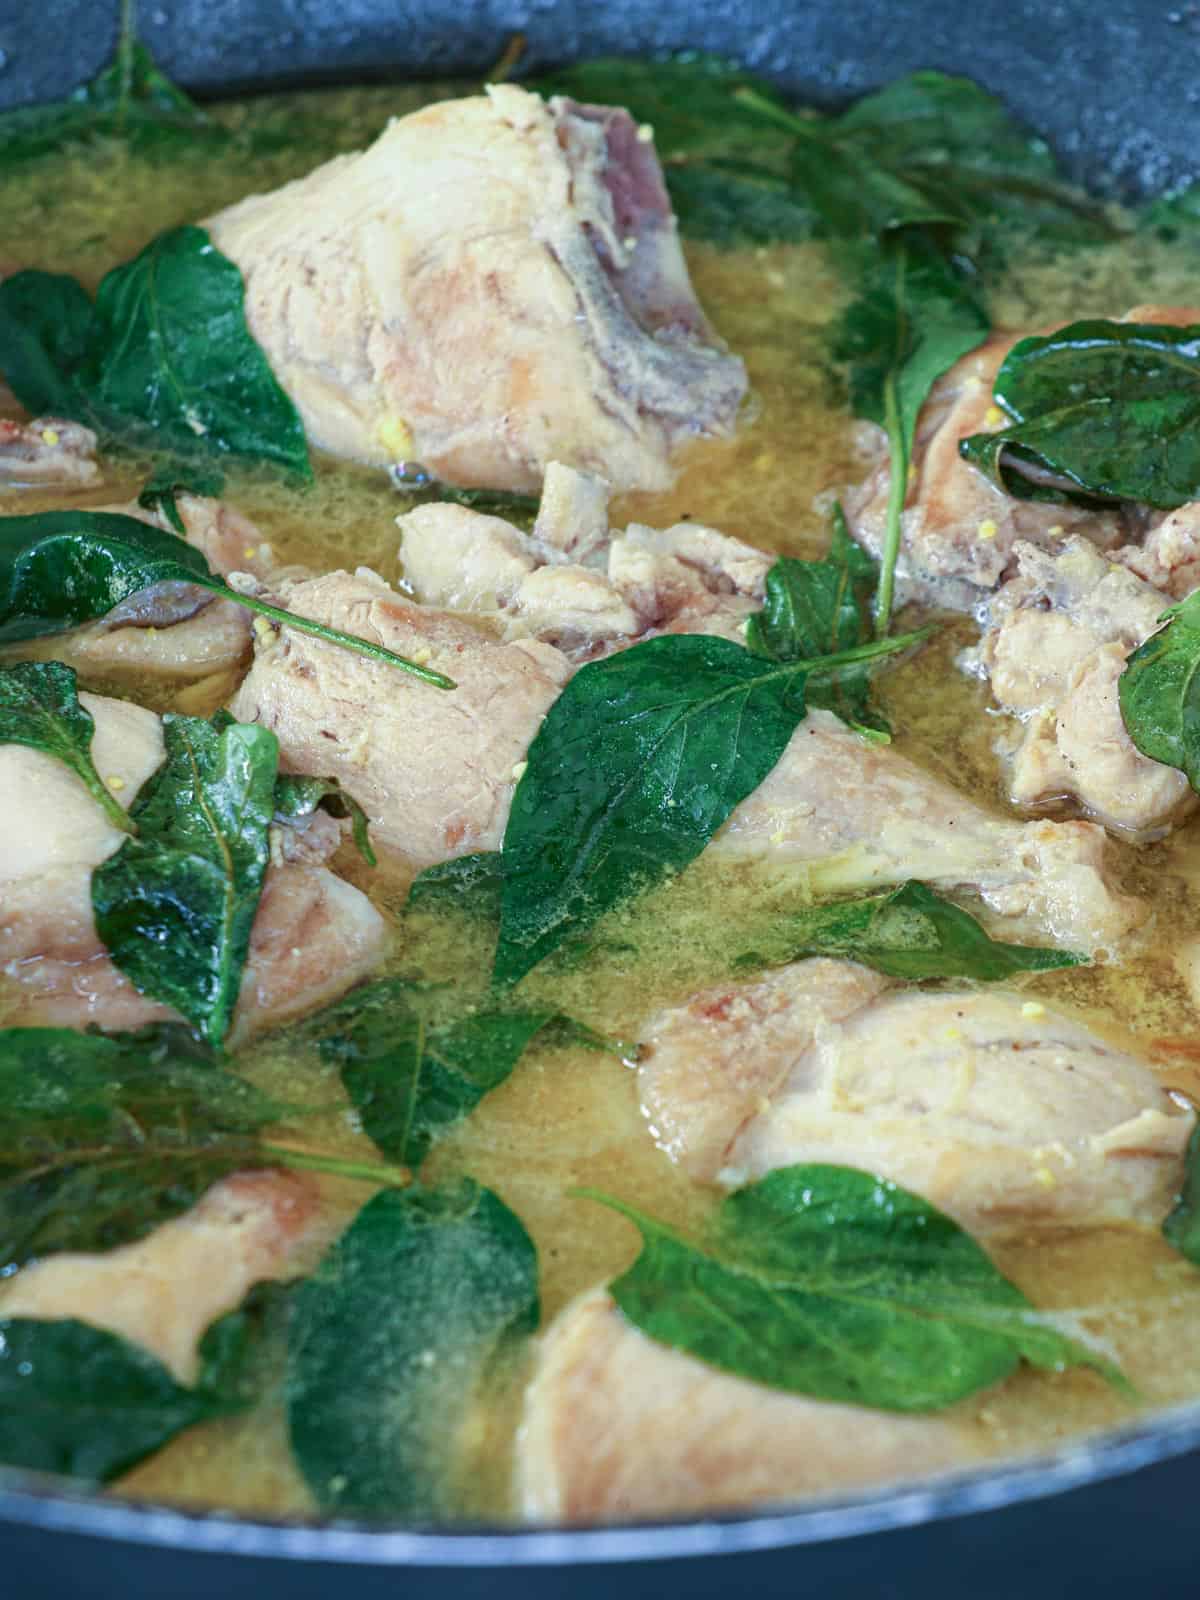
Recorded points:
(392,1339)
(104,1138)
(1101,411)
(636,765)
(734,204)
(161,488)
(818,608)
(167,362)
(130,100)
(830,1282)
(174,906)
(60,569)
(471,884)
(1182,1227)
(298,797)
(915,317)
(86,1403)
(409,1078)
(1159,692)
(1175,216)
(39,708)
(908,932)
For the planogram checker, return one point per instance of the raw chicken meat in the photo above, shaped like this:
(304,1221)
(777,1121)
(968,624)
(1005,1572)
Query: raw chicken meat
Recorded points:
(1057,637)
(997,1109)
(496,283)
(47,453)
(164,1290)
(314,935)
(617,1426)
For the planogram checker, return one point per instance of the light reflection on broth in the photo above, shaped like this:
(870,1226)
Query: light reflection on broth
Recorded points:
(569,1117)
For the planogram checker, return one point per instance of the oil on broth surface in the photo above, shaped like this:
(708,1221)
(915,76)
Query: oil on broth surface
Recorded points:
(569,1117)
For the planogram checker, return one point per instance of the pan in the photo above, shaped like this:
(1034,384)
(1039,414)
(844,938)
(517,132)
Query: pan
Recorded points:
(1115,89)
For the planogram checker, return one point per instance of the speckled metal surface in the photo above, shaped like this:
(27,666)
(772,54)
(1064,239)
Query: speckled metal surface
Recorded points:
(1115,87)
(1112,83)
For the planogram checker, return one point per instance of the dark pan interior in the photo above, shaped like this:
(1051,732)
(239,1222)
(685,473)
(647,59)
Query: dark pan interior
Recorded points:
(1114,87)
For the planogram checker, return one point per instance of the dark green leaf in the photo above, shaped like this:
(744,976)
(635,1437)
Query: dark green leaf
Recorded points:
(636,765)
(298,797)
(81,1401)
(818,608)
(916,316)
(733,204)
(161,488)
(103,1138)
(1175,216)
(167,362)
(908,932)
(130,100)
(392,1339)
(39,707)
(471,884)
(86,1403)
(1160,692)
(1101,411)
(833,1283)
(60,569)
(174,906)
(1182,1227)
(410,1078)
(45,328)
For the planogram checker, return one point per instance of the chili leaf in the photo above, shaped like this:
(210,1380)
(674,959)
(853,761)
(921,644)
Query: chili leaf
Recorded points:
(81,1401)
(161,488)
(60,569)
(298,797)
(908,932)
(1101,411)
(410,1078)
(166,362)
(103,1138)
(735,203)
(636,765)
(1182,1227)
(174,906)
(39,708)
(1159,691)
(392,1339)
(818,608)
(830,1282)
(131,100)
(916,316)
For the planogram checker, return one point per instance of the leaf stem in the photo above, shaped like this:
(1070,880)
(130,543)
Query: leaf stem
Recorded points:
(111,806)
(897,494)
(363,1171)
(806,127)
(319,630)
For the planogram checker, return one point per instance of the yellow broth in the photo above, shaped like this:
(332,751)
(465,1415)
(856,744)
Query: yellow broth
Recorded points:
(569,1117)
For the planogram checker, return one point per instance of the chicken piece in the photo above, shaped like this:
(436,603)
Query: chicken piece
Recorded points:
(572,519)
(583,591)
(999,1111)
(617,1426)
(495,284)
(1167,556)
(1056,642)
(434,771)
(958,527)
(864,815)
(165,1290)
(313,935)
(47,453)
